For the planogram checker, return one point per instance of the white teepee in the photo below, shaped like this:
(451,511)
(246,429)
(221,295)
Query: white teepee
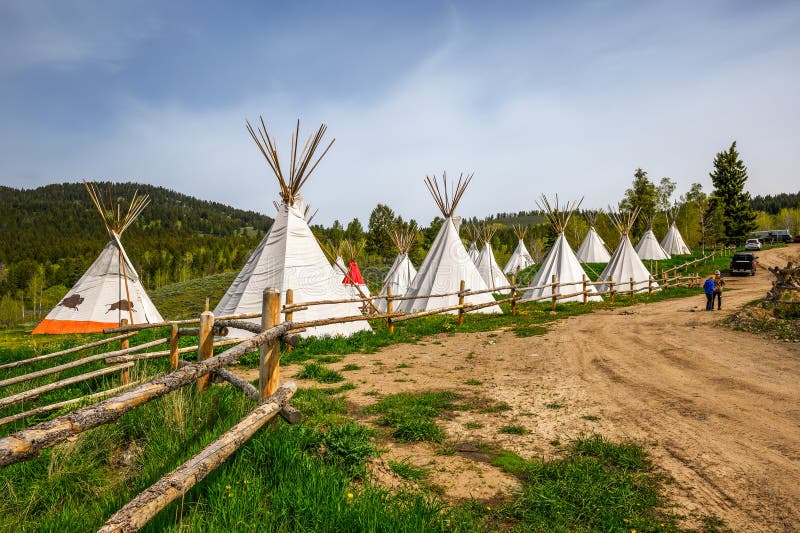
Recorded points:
(289,256)
(402,271)
(560,261)
(625,263)
(593,248)
(648,246)
(447,262)
(521,258)
(110,290)
(487,264)
(472,235)
(673,242)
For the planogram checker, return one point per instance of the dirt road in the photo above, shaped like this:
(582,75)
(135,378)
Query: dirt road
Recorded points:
(718,410)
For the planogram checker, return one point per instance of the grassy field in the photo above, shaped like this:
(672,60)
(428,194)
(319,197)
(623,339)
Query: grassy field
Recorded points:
(314,476)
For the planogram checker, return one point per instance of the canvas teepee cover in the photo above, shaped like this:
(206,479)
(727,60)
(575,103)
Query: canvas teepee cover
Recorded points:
(673,242)
(560,260)
(402,272)
(521,258)
(110,289)
(472,236)
(593,249)
(487,264)
(447,262)
(649,247)
(625,263)
(289,256)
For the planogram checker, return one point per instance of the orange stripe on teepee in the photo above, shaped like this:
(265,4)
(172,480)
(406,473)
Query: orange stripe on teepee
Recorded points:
(72,326)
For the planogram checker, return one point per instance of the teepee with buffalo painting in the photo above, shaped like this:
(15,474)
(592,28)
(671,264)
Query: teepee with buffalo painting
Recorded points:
(110,290)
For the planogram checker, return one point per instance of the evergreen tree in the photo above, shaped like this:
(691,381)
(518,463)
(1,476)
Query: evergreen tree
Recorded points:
(381,220)
(642,194)
(729,197)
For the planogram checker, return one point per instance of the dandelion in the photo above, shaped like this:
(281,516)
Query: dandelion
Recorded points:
(349,495)
(488,508)
(227,487)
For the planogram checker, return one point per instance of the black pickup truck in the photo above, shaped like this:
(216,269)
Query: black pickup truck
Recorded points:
(743,263)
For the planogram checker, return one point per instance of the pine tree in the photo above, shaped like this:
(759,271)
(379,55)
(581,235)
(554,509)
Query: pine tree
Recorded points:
(643,195)
(729,197)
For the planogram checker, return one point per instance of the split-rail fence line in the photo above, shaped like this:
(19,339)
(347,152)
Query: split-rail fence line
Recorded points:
(273,400)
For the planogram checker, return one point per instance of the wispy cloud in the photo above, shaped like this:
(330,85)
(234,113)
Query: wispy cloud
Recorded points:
(566,101)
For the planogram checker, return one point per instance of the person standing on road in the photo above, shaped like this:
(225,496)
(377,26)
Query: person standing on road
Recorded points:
(719,283)
(708,288)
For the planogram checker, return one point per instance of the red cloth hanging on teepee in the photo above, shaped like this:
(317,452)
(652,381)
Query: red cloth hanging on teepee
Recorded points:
(353,275)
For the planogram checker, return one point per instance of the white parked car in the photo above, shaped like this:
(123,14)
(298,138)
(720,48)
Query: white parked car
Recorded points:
(752,244)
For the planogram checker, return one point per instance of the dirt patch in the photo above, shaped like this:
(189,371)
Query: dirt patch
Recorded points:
(459,477)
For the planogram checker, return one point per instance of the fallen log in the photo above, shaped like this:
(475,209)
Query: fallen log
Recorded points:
(172,486)
(65,403)
(74,349)
(32,393)
(27,443)
(78,362)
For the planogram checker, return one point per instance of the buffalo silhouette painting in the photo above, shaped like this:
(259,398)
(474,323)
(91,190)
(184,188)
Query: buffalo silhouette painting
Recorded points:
(72,302)
(122,305)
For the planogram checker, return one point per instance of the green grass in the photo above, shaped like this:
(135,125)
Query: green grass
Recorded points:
(473,425)
(513,430)
(473,382)
(554,405)
(412,416)
(319,373)
(187,299)
(350,367)
(498,407)
(598,486)
(591,418)
(297,476)
(406,470)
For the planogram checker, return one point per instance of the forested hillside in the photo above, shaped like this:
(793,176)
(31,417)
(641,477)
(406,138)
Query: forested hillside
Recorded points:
(50,235)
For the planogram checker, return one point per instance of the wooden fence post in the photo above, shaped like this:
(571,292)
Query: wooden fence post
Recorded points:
(650,285)
(611,289)
(554,292)
(461,302)
(269,362)
(205,345)
(585,293)
(125,375)
(513,279)
(389,309)
(290,314)
(632,289)
(173,348)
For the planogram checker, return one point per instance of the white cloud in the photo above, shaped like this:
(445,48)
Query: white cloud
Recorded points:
(485,100)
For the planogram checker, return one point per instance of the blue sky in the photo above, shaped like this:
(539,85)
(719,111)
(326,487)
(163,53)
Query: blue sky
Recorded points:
(560,97)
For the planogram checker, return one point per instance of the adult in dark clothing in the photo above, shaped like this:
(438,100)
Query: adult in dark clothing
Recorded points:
(708,288)
(719,283)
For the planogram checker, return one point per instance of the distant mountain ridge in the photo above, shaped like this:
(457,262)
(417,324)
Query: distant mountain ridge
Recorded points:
(54,231)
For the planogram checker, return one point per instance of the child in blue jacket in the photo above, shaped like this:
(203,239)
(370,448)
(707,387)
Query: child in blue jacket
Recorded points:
(708,288)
